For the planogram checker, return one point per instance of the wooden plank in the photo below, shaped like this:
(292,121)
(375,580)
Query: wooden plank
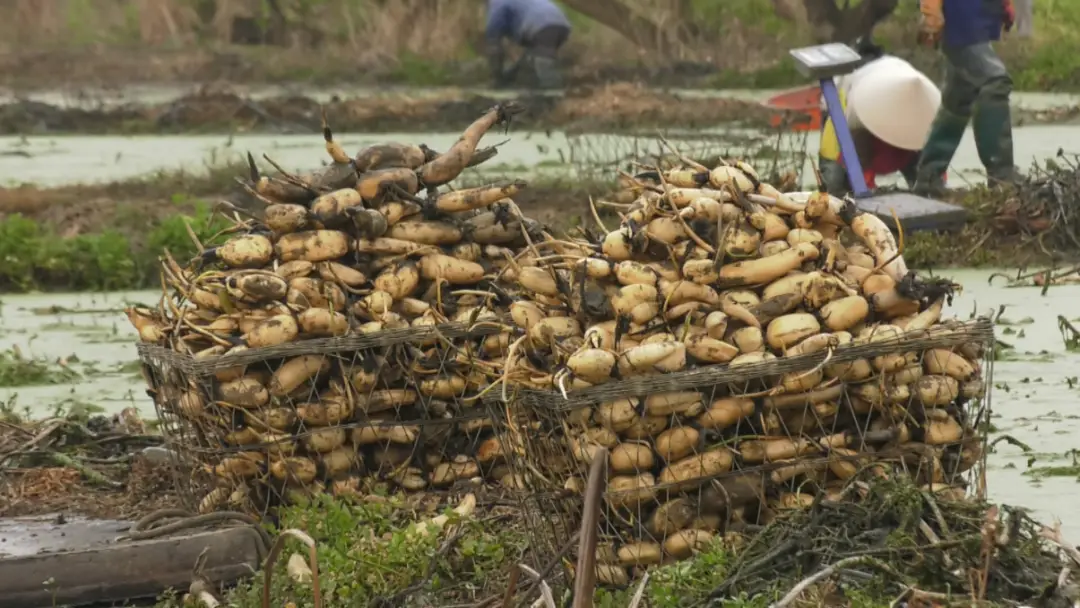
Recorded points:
(126,570)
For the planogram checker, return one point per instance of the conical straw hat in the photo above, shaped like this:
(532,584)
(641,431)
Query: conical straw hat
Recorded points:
(894,101)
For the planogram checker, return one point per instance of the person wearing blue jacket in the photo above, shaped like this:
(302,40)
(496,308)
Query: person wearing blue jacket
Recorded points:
(539,26)
(977,89)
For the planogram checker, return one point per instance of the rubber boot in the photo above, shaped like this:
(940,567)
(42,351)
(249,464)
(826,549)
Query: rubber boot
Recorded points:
(547,72)
(992,124)
(941,145)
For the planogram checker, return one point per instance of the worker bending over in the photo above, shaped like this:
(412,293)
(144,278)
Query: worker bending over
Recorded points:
(889,106)
(539,26)
(977,88)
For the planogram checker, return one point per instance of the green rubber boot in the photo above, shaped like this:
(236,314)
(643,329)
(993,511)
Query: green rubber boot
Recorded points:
(941,145)
(992,124)
(547,72)
(834,176)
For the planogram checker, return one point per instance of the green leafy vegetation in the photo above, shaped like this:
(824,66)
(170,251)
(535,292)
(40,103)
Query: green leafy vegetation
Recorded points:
(36,258)
(17,369)
(368,552)
(368,556)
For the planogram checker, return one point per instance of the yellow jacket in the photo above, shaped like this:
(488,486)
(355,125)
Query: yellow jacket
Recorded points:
(830,146)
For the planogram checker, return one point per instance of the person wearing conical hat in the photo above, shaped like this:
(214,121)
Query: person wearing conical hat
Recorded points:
(889,106)
(977,88)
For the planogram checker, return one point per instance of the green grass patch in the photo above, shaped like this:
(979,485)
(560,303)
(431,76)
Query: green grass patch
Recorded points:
(36,258)
(368,557)
(367,553)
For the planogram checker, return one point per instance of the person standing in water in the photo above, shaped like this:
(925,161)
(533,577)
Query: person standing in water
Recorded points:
(976,90)
(539,26)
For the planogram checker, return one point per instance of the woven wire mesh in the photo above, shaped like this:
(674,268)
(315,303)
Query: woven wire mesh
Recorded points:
(691,459)
(779,155)
(251,434)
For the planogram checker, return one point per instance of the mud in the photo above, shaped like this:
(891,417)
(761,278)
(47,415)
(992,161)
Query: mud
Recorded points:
(211,109)
(139,490)
(129,207)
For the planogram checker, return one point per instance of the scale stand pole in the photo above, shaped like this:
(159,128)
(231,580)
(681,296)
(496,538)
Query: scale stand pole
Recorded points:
(843,136)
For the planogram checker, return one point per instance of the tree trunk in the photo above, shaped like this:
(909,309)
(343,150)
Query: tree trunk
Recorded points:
(620,18)
(790,10)
(834,24)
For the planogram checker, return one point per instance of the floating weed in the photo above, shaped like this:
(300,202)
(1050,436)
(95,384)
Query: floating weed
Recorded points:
(11,412)
(1052,469)
(71,407)
(1010,355)
(96,368)
(1052,416)
(61,326)
(99,339)
(75,408)
(1070,335)
(1009,331)
(129,368)
(1008,322)
(55,310)
(1039,473)
(19,370)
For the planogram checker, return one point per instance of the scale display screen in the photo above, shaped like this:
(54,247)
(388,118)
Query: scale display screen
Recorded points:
(826,60)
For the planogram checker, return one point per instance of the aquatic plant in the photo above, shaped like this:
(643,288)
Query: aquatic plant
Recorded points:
(17,369)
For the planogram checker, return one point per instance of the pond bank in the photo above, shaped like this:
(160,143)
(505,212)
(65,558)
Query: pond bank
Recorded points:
(108,236)
(618,107)
(895,539)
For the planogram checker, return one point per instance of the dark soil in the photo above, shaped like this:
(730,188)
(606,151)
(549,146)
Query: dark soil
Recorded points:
(127,207)
(610,108)
(213,109)
(144,488)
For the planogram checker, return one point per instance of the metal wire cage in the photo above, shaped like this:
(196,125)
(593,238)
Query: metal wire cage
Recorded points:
(696,454)
(264,427)
(779,154)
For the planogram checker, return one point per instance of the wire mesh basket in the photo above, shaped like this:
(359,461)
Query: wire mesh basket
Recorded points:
(261,427)
(696,454)
(778,154)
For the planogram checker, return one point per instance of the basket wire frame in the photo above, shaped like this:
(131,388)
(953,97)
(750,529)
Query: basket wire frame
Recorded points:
(247,435)
(744,460)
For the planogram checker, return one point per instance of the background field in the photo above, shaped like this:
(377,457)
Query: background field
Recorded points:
(704,43)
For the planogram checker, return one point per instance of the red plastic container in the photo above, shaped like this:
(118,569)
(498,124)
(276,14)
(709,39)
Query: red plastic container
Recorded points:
(797,109)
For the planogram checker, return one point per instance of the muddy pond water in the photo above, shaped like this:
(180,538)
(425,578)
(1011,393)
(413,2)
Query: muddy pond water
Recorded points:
(91,98)
(1035,396)
(49,161)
